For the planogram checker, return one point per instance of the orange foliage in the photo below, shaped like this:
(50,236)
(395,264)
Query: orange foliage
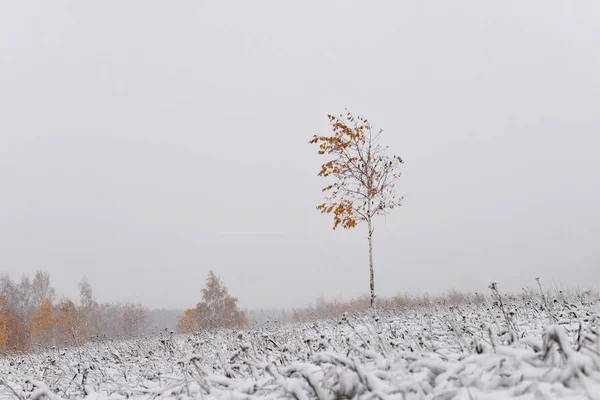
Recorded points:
(187,322)
(70,322)
(13,329)
(44,323)
(364,175)
(29,317)
(217,310)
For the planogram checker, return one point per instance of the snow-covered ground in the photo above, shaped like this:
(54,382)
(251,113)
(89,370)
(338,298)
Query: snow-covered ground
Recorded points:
(530,348)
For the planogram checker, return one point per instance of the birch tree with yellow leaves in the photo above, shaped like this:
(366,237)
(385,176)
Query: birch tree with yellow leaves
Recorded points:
(364,177)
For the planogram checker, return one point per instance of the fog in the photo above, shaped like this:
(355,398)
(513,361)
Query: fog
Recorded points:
(144,143)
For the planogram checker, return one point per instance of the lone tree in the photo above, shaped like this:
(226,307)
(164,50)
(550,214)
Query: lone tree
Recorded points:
(364,175)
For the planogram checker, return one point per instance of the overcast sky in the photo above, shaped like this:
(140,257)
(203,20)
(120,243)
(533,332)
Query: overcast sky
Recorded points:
(143,143)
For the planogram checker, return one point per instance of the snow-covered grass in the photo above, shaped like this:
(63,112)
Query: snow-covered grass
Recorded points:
(506,347)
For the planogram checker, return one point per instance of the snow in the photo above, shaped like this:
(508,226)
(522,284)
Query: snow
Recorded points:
(470,351)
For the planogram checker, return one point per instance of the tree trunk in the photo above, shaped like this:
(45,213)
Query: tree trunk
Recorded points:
(371,274)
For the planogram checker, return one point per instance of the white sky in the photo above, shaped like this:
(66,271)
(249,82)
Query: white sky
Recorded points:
(143,143)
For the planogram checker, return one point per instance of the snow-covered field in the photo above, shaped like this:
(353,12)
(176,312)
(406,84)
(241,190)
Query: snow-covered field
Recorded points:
(530,348)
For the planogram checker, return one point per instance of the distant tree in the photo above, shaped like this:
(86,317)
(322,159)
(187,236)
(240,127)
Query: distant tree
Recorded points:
(69,319)
(44,324)
(187,322)
(134,320)
(217,310)
(86,298)
(364,177)
(41,290)
(18,295)
(14,332)
(4,329)
(89,310)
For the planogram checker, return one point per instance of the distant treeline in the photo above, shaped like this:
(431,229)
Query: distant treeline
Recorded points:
(32,315)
